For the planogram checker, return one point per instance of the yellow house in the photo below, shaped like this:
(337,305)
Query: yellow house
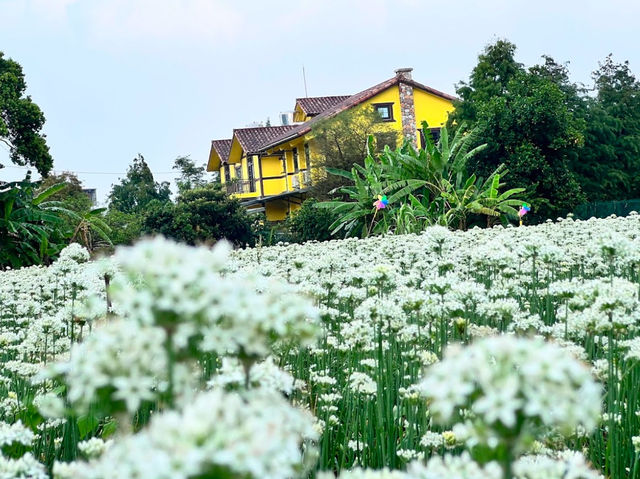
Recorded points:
(268,168)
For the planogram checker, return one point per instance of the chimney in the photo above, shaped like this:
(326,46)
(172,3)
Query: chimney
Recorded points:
(407,106)
(404,73)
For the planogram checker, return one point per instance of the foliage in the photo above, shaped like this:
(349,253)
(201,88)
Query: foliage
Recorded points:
(71,195)
(489,79)
(609,164)
(310,223)
(125,228)
(191,176)
(530,121)
(134,193)
(424,187)
(21,120)
(201,215)
(340,142)
(31,225)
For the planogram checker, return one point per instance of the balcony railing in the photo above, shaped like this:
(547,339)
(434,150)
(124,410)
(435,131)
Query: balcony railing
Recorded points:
(301,180)
(239,187)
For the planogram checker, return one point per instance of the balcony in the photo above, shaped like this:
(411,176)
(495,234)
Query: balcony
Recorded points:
(301,180)
(240,187)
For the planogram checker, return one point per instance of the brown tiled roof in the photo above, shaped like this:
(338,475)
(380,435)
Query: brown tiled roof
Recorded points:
(252,139)
(347,103)
(316,105)
(223,148)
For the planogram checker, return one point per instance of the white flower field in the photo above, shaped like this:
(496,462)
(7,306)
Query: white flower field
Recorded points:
(492,353)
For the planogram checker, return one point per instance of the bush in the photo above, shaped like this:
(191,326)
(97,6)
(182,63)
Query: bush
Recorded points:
(201,215)
(310,223)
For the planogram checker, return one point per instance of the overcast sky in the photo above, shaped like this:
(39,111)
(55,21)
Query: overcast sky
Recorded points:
(164,77)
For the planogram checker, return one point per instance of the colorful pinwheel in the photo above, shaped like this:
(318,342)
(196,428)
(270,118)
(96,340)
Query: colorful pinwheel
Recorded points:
(524,209)
(381,203)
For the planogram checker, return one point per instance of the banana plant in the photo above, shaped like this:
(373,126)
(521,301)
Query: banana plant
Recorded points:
(31,228)
(357,215)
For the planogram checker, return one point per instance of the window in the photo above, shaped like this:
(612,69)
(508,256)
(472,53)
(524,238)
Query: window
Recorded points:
(384,110)
(296,166)
(227,174)
(238,171)
(252,181)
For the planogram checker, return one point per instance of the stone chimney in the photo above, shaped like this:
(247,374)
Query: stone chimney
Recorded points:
(407,106)
(404,73)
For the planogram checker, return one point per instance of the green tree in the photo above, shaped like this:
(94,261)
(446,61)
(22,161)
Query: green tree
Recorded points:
(125,228)
(138,189)
(32,228)
(609,164)
(201,215)
(191,176)
(341,141)
(83,223)
(531,121)
(21,120)
(310,223)
(490,78)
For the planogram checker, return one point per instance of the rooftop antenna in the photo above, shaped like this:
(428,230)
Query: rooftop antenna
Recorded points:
(304,79)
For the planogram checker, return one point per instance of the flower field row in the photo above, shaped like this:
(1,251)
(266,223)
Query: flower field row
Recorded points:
(502,352)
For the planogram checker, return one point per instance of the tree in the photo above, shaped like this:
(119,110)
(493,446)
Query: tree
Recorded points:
(609,165)
(31,224)
(490,78)
(531,122)
(341,141)
(191,176)
(21,120)
(83,223)
(310,223)
(126,228)
(201,215)
(71,195)
(138,189)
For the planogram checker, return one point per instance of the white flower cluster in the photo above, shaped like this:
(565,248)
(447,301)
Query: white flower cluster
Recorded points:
(183,290)
(257,436)
(15,433)
(122,362)
(26,467)
(507,381)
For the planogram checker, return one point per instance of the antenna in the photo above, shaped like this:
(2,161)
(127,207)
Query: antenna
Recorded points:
(304,79)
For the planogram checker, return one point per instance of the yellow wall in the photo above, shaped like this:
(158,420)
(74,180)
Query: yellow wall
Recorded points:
(430,108)
(299,115)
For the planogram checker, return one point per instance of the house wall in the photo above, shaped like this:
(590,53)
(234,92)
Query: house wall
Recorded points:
(430,108)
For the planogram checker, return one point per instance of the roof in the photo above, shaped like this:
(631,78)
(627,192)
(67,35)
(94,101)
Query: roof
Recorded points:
(350,102)
(315,105)
(252,139)
(222,148)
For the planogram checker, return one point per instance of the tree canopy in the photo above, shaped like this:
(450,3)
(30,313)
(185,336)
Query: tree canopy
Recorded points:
(341,141)
(609,165)
(134,193)
(21,120)
(191,176)
(201,215)
(530,121)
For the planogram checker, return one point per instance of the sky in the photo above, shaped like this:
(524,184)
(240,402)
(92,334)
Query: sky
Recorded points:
(162,78)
